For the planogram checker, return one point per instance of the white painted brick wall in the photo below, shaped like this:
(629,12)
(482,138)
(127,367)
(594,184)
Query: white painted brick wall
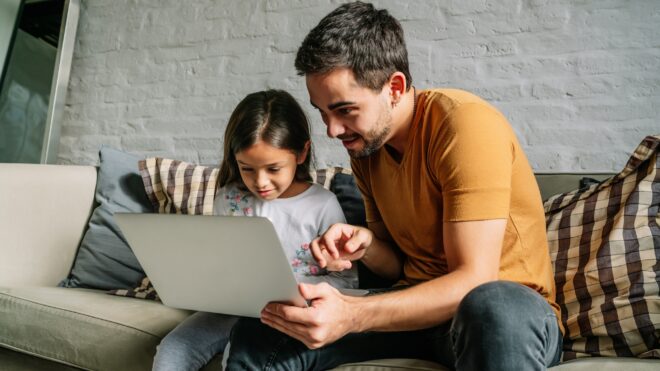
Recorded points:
(578,79)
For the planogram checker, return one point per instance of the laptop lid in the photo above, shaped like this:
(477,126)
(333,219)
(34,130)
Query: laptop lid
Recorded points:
(221,264)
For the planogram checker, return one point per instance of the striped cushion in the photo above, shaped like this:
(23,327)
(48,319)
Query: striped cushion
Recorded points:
(605,246)
(177,187)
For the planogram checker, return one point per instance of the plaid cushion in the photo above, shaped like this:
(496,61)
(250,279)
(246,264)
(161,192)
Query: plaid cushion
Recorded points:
(605,247)
(324,176)
(177,187)
(144,290)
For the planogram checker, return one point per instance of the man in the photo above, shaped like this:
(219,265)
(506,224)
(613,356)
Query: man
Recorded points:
(453,211)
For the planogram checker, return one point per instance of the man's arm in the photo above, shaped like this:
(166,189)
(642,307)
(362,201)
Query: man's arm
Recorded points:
(383,257)
(473,251)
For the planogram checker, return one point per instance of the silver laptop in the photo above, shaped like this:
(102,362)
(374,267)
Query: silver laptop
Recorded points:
(220,264)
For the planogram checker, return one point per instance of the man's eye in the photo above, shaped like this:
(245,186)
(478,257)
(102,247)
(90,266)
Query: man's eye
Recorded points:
(345,111)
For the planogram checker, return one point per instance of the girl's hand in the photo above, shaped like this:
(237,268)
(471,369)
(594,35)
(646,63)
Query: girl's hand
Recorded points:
(340,245)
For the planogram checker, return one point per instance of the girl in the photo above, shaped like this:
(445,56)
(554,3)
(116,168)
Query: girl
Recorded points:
(264,172)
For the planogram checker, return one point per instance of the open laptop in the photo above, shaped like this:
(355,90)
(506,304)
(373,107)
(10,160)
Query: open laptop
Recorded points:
(220,264)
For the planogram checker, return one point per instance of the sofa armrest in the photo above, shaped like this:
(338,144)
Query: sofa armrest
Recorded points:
(43,213)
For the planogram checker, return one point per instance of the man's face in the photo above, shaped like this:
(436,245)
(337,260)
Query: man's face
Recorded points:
(360,117)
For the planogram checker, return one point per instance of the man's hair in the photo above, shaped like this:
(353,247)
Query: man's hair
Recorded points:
(369,41)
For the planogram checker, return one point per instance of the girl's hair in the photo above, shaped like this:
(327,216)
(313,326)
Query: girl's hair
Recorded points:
(271,116)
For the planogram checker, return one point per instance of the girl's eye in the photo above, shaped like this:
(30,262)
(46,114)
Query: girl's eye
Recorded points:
(246,169)
(274,169)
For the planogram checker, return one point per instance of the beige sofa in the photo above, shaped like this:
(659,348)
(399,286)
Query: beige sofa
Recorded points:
(43,213)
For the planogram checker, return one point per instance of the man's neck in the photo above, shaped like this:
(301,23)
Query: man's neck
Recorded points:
(402,119)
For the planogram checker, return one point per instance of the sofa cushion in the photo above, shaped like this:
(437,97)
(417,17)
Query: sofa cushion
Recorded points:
(177,187)
(84,328)
(605,244)
(104,259)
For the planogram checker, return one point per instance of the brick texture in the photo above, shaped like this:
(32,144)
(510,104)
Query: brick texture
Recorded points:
(578,80)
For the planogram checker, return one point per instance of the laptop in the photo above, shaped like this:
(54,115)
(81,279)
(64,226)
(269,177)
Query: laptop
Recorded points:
(220,264)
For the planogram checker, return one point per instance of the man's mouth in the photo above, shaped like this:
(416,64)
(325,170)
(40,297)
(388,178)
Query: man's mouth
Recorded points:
(348,141)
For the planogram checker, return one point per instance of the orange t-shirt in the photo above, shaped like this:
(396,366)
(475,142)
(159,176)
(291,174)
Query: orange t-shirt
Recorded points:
(462,162)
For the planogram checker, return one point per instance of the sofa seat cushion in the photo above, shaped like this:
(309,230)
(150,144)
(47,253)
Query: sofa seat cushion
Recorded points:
(608,364)
(84,328)
(582,364)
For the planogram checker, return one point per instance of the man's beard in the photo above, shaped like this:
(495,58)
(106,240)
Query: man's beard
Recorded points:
(376,137)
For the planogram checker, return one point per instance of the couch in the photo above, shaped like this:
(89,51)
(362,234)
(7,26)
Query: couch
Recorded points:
(44,210)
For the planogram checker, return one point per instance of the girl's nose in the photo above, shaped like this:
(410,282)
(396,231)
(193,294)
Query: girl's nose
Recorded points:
(262,179)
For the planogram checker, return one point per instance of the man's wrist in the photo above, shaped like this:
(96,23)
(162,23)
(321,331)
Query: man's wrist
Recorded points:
(361,314)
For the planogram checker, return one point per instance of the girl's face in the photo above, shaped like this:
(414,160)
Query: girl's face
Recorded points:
(269,172)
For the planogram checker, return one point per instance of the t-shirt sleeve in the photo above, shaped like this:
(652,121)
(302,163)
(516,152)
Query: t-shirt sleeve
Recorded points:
(473,156)
(370,209)
(331,214)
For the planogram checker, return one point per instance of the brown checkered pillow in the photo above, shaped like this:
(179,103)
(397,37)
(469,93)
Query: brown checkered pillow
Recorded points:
(324,176)
(177,187)
(605,246)
(144,290)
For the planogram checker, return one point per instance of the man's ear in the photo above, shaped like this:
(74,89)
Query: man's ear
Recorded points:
(303,155)
(397,87)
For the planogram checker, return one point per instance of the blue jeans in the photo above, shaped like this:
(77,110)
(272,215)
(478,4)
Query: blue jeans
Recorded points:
(498,326)
(194,342)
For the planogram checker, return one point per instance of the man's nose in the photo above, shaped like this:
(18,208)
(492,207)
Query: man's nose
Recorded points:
(334,128)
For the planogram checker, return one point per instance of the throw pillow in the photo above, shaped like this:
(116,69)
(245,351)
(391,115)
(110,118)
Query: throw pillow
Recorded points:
(605,246)
(144,290)
(178,187)
(104,260)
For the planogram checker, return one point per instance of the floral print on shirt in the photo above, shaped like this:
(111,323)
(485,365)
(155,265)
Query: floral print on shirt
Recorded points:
(304,263)
(238,203)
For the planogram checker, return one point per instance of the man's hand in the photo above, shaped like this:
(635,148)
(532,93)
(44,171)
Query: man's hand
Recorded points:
(341,244)
(327,319)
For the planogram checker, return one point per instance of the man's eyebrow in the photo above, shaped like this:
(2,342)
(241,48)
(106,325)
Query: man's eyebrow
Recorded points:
(333,105)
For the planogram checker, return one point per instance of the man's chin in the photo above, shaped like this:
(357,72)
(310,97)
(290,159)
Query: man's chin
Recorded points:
(362,152)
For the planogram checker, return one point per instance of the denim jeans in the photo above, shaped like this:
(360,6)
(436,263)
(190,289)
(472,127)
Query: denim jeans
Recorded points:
(498,326)
(194,342)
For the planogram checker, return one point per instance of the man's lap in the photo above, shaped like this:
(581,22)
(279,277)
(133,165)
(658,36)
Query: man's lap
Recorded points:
(257,346)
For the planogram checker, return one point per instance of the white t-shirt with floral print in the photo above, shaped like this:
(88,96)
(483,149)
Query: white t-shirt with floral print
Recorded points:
(297,221)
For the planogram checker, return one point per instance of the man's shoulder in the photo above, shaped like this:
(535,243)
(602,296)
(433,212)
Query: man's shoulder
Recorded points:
(449,99)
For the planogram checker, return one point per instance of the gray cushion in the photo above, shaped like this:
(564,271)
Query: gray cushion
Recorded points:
(104,260)
(349,197)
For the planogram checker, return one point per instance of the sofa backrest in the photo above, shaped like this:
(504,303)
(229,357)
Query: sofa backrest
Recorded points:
(551,184)
(43,213)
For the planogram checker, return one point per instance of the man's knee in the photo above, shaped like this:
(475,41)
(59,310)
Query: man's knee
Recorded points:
(497,305)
